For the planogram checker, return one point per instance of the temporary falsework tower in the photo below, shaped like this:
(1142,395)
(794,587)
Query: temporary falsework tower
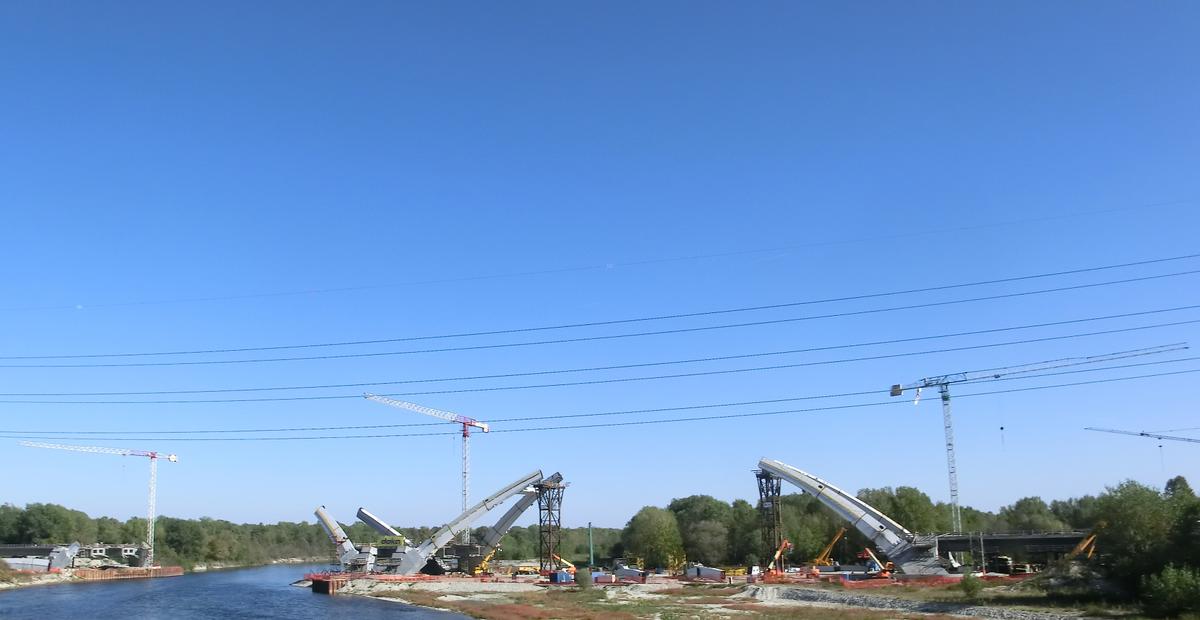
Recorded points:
(549,494)
(770,515)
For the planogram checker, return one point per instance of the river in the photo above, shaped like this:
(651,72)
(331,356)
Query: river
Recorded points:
(263,592)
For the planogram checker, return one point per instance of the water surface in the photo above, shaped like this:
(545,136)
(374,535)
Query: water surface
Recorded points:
(264,592)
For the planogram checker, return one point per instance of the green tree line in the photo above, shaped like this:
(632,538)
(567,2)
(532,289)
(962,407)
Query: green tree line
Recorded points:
(187,542)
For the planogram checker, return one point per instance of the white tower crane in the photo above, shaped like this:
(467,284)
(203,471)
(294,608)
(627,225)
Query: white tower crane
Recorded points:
(153,456)
(942,382)
(467,424)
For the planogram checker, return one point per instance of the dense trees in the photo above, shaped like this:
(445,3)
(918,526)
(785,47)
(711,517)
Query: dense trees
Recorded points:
(653,535)
(1031,514)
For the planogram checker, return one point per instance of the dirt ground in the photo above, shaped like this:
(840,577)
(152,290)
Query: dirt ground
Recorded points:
(665,601)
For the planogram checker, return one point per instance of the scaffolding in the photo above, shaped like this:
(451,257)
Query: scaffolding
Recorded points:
(770,515)
(549,496)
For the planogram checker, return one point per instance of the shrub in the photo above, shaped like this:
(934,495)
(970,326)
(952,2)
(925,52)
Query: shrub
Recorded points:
(583,578)
(970,586)
(1172,592)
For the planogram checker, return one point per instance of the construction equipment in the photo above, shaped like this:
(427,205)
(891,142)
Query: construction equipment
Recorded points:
(880,569)
(1086,546)
(351,557)
(151,511)
(776,565)
(943,382)
(467,425)
(408,559)
(915,556)
(482,567)
(570,568)
(824,558)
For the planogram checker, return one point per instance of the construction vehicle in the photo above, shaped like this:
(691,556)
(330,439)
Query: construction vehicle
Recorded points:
(569,567)
(482,567)
(1086,547)
(876,568)
(776,565)
(824,559)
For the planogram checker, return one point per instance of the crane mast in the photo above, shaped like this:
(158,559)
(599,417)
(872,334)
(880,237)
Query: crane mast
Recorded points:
(151,509)
(467,424)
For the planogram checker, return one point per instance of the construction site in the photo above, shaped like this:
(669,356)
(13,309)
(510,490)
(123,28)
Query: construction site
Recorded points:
(451,571)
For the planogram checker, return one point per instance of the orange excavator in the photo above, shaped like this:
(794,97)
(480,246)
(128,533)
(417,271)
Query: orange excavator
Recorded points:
(776,565)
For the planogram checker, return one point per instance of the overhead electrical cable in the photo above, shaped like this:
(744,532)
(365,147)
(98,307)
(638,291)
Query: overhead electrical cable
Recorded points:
(615,380)
(511,375)
(876,392)
(597,267)
(607,323)
(1143,434)
(891,402)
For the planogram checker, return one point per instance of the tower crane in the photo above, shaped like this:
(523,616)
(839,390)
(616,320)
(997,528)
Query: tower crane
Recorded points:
(152,455)
(467,425)
(943,382)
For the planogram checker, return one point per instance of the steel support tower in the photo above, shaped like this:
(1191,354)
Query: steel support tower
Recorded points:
(770,515)
(550,495)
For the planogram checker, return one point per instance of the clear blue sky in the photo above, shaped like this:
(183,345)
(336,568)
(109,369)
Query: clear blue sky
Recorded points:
(154,157)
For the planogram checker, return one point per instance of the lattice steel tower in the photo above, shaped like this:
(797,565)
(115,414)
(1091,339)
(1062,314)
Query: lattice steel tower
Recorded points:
(550,495)
(770,515)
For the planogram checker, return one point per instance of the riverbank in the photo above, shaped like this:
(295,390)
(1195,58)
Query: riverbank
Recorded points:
(12,580)
(511,600)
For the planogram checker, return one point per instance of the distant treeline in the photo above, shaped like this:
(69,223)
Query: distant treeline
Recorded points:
(187,542)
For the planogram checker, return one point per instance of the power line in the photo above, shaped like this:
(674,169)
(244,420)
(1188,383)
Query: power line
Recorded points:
(613,413)
(596,267)
(616,322)
(511,375)
(615,380)
(628,411)
(621,424)
(1143,434)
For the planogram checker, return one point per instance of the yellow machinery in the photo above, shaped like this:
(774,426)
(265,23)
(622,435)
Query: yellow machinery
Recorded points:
(482,567)
(1086,547)
(570,568)
(823,559)
(883,569)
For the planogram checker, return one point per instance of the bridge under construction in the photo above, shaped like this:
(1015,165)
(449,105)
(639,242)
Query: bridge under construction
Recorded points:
(912,553)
